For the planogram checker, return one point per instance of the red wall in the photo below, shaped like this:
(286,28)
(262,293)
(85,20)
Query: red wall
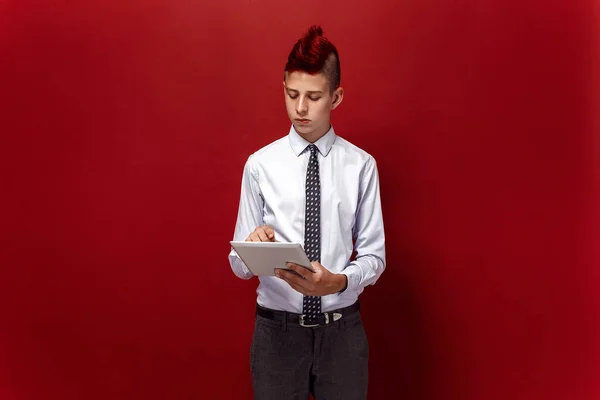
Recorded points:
(124,128)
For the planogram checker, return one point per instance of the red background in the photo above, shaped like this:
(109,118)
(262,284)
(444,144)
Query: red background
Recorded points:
(124,129)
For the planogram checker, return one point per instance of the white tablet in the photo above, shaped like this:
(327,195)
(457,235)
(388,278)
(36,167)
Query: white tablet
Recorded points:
(262,258)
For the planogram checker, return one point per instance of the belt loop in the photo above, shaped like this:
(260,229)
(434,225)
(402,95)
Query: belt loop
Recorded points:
(284,322)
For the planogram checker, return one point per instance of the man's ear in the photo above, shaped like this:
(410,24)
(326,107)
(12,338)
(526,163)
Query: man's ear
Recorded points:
(338,96)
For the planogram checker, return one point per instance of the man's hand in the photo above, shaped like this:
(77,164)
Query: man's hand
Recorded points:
(263,233)
(318,283)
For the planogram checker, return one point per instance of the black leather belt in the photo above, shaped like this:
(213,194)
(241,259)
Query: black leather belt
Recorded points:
(300,319)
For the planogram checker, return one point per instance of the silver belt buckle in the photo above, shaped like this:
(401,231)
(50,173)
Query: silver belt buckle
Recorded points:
(336,316)
(306,325)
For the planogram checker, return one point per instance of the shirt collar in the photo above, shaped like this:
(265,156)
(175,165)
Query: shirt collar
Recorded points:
(324,144)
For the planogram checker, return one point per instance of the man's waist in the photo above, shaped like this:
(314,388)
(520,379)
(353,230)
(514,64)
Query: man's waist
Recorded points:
(324,318)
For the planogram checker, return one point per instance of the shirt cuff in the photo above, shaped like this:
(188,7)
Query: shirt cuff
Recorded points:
(238,266)
(353,273)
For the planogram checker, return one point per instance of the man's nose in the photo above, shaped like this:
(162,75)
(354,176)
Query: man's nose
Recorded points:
(301,106)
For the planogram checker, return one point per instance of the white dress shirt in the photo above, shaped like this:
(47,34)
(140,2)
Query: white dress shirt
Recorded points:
(273,193)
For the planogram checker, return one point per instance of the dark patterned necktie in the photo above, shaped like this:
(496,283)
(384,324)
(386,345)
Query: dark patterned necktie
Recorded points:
(311,306)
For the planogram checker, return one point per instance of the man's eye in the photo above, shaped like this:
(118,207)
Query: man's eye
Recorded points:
(314,98)
(292,96)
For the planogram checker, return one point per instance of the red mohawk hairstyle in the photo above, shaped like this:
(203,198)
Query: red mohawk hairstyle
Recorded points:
(314,53)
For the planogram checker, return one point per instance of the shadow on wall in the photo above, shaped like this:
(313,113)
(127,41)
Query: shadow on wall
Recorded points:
(401,350)
(400,335)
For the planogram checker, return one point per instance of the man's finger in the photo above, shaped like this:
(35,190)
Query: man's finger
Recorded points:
(316,266)
(285,276)
(299,269)
(292,278)
(269,232)
(262,235)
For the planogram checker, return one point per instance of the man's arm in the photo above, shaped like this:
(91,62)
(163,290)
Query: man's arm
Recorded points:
(368,232)
(249,217)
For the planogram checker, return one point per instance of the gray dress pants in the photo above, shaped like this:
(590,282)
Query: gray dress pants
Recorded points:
(289,361)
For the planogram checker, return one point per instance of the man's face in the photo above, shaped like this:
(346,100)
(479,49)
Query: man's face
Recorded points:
(309,102)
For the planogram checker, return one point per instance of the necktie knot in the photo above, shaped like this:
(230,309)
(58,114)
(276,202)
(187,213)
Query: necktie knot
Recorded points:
(312,148)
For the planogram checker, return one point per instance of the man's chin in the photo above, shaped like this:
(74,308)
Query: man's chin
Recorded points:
(304,129)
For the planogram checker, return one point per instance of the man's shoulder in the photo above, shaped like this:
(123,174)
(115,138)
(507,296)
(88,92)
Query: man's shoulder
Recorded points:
(352,150)
(268,151)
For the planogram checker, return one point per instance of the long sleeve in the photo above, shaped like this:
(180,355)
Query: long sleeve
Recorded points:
(249,216)
(369,234)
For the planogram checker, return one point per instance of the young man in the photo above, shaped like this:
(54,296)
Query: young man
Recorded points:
(315,188)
